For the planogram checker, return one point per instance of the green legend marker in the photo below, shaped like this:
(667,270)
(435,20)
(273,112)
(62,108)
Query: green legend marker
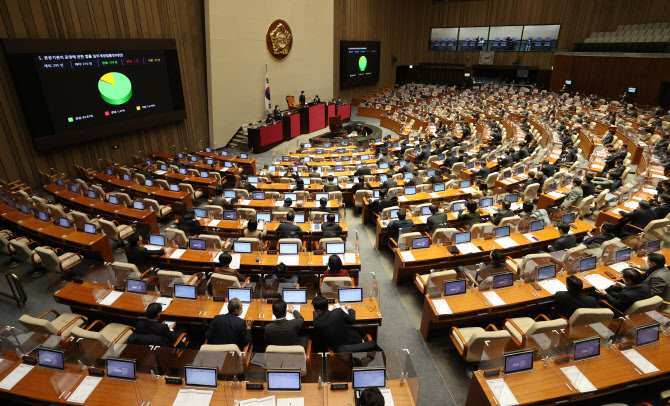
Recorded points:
(70,119)
(362,63)
(115,88)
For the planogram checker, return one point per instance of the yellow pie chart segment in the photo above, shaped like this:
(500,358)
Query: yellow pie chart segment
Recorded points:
(115,88)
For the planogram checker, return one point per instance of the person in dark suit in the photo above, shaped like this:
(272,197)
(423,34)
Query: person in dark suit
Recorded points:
(523,152)
(565,241)
(566,303)
(657,276)
(218,199)
(588,187)
(622,296)
(501,214)
(389,183)
(606,234)
(363,170)
(436,219)
(316,99)
(301,98)
(151,331)
(472,215)
(276,113)
(283,331)
(289,229)
(188,223)
(620,154)
(224,268)
(609,137)
(335,326)
(244,184)
(415,181)
(331,185)
(547,169)
(639,218)
(483,173)
(423,155)
(389,200)
(230,328)
(140,256)
(371,397)
(360,185)
(330,228)
(663,208)
(401,223)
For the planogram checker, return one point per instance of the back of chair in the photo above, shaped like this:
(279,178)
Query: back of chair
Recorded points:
(386,213)
(479,230)
(583,317)
(440,276)
(212,241)
(255,243)
(176,236)
(167,279)
(23,253)
(443,236)
(220,348)
(36,325)
(162,183)
(491,180)
(546,326)
(324,241)
(290,241)
(220,284)
(530,192)
(405,240)
(153,205)
(79,219)
(360,195)
(110,229)
(336,196)
(513,220)
(246,213)
(656,228)
(124,270)
(585,206)
(646,305)
(480,341)
(286,357)
(49,258)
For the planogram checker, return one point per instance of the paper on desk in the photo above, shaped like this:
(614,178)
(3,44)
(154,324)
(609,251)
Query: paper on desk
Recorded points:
(491,209)
(402,198)
(388,397)
(213,223)
(640,362)
(632,204)
(407,256)
(244,202)
(245,308)
(268,401)
(467,248)
(469,190)
(189,397)
(556,195)
(434,195)
(160,172)
(84,389)
(552,286)
(649,190)
(598,281)
(326,258)
(506,242)
(493,298)
(442,306)
(620,266)
(176,254)
(578,380)
(153,247)
(502,392)
(279,203)
(289,260)
(350,258)
(292,402)
(423,219)
(597,166)
(289,315)
(15,376)
(110,298)
(164,302)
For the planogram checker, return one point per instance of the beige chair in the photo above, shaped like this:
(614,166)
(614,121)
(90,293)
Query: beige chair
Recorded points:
(470,342)
(99,192)
(187,187)
(317,215)
(405,239)
(82,218)
(214,211)
(56,211)
(160,210)
(40,203)
(117,233)
(111,333)
(584,206)
(124,198)
(58,263)
(329,281)
(336,196)
(520,267)
(508,221)
(583,317)
(220,284)
(643,306)
(600,201)
(6,245)
(175,236)
(422,280)
(456,169)
(291,241)
(246,214)
(24,253)
(360,195)
(167,280)
(162,183)
(530,193)
(62,325)
(521,328)
(241,193)
(82,185)
(124,270)
(324,241)
(443,236)
(386,213)
(491,180)
(212,241)
(219,348)
(481,230)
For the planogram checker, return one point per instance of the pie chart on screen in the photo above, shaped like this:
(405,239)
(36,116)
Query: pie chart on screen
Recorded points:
(115,88)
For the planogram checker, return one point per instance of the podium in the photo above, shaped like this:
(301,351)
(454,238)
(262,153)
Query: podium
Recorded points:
(263,138)
(291,124)
(312,118)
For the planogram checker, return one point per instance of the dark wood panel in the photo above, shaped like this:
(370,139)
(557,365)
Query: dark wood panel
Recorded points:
(182,20)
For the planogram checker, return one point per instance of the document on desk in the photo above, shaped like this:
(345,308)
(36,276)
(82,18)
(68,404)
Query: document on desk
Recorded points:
(190,397)
(407,256)
(153,247)
(469,190)
(598,281)
(632,204)
(15,376)
(292,402)
(597,166)
(530,237)
(289,260)
(502,392)
(493,298)
(556,195)
(649,190)
(467,248)
(84,389)
(110,298)
(213,223)
(506,242)
(164,302)
(442,307)
(423,219)
(434,195)
(491,209)
(244,202)
(350,258)
(640,362)
(326,258)
(552,286)
(268,401)
(402,198)
(160,172)
(176,254)
(388,397)
(620,266)
(279,203)
(578,380)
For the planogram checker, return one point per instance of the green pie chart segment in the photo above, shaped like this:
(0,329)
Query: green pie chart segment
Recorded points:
(362,63)
(115,88)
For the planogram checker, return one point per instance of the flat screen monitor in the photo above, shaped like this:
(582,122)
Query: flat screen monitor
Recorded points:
(335,248)
(138,205)
(252,179)
(64,222)
(546,272)
(272,168)
(208,149)
(408,175)
(507,174)
(503,280)
(284,380)
(136,286)
(568,82)
(126,177)
(632,89)
(288,249)
(365,157)
(430,172)
(182,171)
(512,197)
(653,246)
(350,295)
(200,377)
(306,181)
(194,159)
(299,218)
(157,239)
(465,184)
(244,156)
(224,153)
(204,174)
(471,164)
(180,155)
(319,196)
(209,161)
(25,209)
(587,264)
(425,211)
(420,242)
(455,287)
(197,244)
(113,199)
(647,334)
(486,202)
(460,238)
(109,172)
(568,218)
(51,358)
(175,188)
(338,168)
(200,213)
(228,164)
(242,247)
(394,214)
(42,215)
(286,158)
(375,194)
(363,378)
(148,183)
(292,196)
(74,189)
(263,216)
(536,225)
(337,217)
(91,194)
(241,294)
(383,178)
(458,206)
(383,165)
(90,228)
(10,202)
(552,187)
(230,215)
(410,190)
(229,194)
(120,368)
(258,195)
(586,348)
(438,187)
(520,170)
(184,291)
(294,295)
(622,255)
(500,232)
(518,361)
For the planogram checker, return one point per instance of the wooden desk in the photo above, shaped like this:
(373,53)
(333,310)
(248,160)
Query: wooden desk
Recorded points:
(235,228)
(229,174)
(265,137)
(312,118)
(248,165)
(161,195)
(419,198)
(546,200)
(125,215)
(613,215)
(270,205)
(196,181)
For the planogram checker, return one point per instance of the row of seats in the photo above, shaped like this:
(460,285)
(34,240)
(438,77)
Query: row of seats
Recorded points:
(659,32)
(30,252)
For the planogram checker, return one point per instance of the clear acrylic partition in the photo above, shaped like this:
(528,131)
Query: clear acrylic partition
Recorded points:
(607,255)
(531,266)
(148,378)
(435,283)
(272,285)
(22,342)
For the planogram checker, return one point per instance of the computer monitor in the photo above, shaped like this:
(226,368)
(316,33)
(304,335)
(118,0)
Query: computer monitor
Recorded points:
(653,246)
(42,215)
(252,179)
(114,199)
(224,153)
(457,206)
(520,170)
(227,164)
(182,171)
(383,165)
(430,172)
(25,209)
(90,194)
(164,167)
(288,249)
(286,158)
(229,194)
(365,157)
(120,368)
(420,242)
(272,168)
(586,348)
(507,174)
(148,183)
(318,196)
(264,216)
(425,211)
(568,218)
(197,244)
(546,272)
(74,189)
(455,287)
(230,215)
(157,239)
(306,181)
(284,380)
(200,377)
(138,205)
(180,155)
(350,295)
(194,159)
(209,161)
(486,202)
(244,156)
(410,190)
(438,187)
(51,358)
(184,291)
(518,361)
(241,294)
(647,334)
(632,89)
(258,195)
(299,218)
(126,177)
(335,248)
(204,174)
(363,378)
(500,232)
(375,194)
(294,295)
(394,213)
(471,164)
(503,280)
(109,172)
(136,286)
(536,225)
(408,175)
(512,197)
(460,238)
(242,247)
(552,187)
(10,202)
(568,82)
(292,196)
(338,168)
(175,188)
(465,184)
(587,264)
(622,255)
(337,217)
(202,213)
(90,228)
(64,222)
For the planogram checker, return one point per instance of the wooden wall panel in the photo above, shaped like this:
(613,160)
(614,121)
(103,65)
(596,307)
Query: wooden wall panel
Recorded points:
(182,20)
(403,27)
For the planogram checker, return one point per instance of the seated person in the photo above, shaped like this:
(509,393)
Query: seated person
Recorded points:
(252,230)
(472,215)
(224,267)
(188,223)
(663,208)
(330,228)
(436,219)
(565,240)
(286,207)
(283,331)
(401,223)
(229,328)
(606,234)
(334,327)
(323,206)
(140,256)
(529,213)
(289,229)
(623,295)
(566,303)
(335,267)
(504,212)
(218,199)
(372,397)
(151,331)
(281,275)
(588,187)
(639,218)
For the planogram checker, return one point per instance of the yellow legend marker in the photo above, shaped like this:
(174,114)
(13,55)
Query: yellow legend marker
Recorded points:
(139,108)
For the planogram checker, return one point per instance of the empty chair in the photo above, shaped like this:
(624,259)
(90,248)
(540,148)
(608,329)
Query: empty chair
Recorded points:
(23,253)
(324,241)
(117,233)
(111,333)
(220,284)
(471,342)
(583,317)
(443,236)
(288,356)
(256,243)
(57,263)
(509,221)
(176,237)
(167,280)
(186,187)
(56,211)
(62,325)
(246,213)
(124,198)
(530,192)
(423,281)
(521,328)
(520,267)
(360,195)
(584,206)
(82,218)
(160,210)
(6,245)
(213,241)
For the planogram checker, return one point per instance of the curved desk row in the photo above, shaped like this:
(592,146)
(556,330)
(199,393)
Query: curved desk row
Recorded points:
(161,195)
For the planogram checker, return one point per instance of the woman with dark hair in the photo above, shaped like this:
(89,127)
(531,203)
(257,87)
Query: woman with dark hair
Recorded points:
(252,230)
(188,222)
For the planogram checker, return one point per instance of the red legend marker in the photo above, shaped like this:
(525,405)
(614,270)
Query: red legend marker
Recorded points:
(106,113)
